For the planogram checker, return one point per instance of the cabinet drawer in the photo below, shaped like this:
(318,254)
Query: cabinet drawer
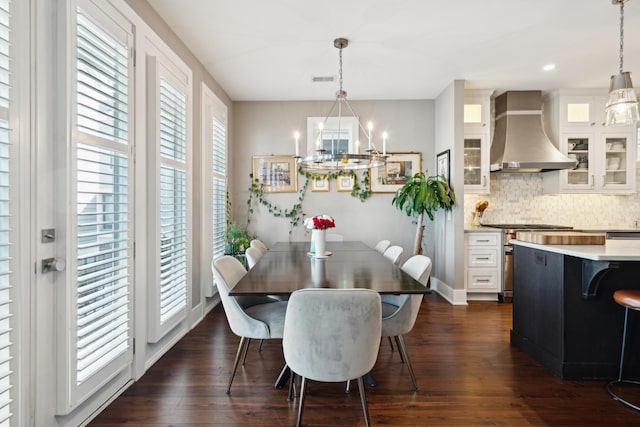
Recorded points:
(479,257)
(483,280)
(484,239)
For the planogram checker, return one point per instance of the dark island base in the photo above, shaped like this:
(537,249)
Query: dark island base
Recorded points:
(574,337)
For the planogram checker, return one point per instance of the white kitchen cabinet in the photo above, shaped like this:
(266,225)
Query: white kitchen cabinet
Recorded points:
(483,265)
(606,154)
(477,134)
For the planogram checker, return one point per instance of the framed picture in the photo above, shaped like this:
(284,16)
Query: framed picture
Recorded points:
(442,164)
(319,183)
(345,182)
(399,168)
(277,174)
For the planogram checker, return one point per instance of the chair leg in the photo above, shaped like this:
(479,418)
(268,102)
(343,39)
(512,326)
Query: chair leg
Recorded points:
(363,400)
(303,389)
(260,348)
(292,381)
(398,345)
(403,351)
(246,350)
(390,343)
(235,363)
(347,389)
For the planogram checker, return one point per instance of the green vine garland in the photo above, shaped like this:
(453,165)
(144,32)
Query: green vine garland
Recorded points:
(360,190)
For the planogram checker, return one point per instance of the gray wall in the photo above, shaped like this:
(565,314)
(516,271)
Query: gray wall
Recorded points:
(265,128)
(449,226)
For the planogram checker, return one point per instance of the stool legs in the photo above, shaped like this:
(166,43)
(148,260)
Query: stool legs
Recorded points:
(620,380)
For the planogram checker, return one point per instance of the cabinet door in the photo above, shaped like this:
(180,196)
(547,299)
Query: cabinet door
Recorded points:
(582,111)
(618,172)
(477,111)
(476,164)
(581,147)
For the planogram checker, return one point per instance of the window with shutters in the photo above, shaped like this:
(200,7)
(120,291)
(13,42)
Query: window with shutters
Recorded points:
(101,222)
(170,292)
(219,184)
(7,211)
(214,136)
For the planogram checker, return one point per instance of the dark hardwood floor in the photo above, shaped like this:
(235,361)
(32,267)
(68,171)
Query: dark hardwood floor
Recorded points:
(467,372)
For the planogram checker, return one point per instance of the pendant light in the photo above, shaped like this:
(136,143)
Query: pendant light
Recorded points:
(321,161)
(622,106)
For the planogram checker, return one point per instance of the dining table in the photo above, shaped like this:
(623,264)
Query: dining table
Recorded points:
(289,266)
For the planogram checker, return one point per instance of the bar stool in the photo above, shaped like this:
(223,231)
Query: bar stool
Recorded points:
(629,299)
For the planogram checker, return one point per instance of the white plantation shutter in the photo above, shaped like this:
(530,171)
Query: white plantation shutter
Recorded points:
(101,271)
(219,187)
(168,293)
(6,279)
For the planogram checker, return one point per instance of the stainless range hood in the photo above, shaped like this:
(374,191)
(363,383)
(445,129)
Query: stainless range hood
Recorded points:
(519,142)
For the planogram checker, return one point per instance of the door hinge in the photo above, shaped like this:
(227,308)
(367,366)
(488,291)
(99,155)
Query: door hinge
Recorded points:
(134,346)
(133,55)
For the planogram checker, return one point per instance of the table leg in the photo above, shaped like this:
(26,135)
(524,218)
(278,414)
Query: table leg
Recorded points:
(368,378)
(283,377)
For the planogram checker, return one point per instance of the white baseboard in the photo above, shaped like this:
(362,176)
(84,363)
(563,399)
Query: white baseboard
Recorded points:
(454,296)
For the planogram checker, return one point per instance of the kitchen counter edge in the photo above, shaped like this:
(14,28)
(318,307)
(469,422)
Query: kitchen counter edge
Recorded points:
(612,250)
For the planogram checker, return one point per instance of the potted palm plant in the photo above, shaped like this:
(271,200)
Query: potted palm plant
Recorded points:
(424,194)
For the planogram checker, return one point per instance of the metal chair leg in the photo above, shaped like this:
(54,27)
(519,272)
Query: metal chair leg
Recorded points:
(403,351)
(261,342)
(235,363)
(390,343)
(398,344)
(363,400)
(246,350)
(347,389)
(303,389)
(620,380)
(292,380)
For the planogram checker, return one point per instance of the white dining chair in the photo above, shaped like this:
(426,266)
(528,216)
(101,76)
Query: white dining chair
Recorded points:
(394,254)
(253,255)
(332,335)
(399,312)
(382,246)
(260,321)
(256,243)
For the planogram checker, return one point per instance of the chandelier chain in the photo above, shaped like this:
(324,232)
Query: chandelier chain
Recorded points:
(340,56)
(621,34)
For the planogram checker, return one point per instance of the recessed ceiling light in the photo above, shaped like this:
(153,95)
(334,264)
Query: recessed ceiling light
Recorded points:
(549,67)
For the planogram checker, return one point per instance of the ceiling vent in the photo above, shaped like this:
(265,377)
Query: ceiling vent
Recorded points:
(323,79)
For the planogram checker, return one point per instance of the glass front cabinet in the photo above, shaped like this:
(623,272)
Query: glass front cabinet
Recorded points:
(605,155)
(477,131)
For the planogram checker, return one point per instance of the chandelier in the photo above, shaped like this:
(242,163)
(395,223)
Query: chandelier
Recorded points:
(622,106)
(323,161)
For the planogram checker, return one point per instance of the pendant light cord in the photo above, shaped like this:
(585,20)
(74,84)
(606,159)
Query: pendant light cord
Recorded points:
(621,32)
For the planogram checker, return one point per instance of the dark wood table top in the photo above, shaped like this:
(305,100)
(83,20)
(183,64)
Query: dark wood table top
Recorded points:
(281,272)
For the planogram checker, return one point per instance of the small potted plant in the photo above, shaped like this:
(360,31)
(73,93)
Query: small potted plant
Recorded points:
(238,240)
(424,194)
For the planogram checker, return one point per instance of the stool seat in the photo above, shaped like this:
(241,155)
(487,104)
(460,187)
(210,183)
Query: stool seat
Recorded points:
(627,298)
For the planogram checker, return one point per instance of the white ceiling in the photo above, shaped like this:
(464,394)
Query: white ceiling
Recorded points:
(403,49)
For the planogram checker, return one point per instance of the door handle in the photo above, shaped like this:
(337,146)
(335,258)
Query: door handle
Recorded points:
(53,264)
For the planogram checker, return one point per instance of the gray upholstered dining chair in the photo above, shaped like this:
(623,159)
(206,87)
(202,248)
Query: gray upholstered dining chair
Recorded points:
(382,246)
(332,335)
(253,255)
(257,321)
(399,312)
(394,254)
(256,243)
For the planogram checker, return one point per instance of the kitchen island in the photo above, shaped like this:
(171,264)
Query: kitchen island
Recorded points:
(564,316)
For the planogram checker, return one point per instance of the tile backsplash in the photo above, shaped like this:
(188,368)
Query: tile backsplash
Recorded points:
(518,198)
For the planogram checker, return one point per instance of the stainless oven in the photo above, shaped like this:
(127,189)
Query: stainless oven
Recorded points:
(510,232)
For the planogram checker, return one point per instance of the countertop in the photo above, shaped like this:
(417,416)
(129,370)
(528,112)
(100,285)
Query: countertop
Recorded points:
(612,250)
(481,228)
